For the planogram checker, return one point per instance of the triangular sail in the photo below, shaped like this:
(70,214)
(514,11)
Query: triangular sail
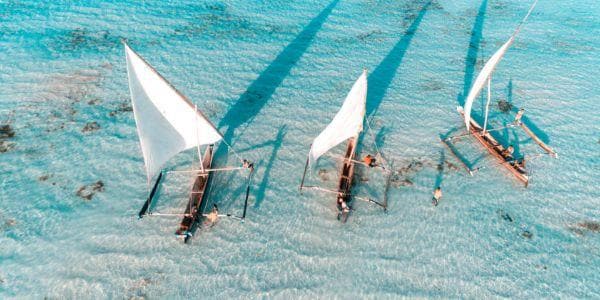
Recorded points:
(167,123)
(488,69)
(347,123)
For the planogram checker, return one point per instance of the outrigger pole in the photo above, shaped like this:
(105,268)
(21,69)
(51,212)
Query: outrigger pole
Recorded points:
(366,199)
(149,200)
(305,169)
(247,191)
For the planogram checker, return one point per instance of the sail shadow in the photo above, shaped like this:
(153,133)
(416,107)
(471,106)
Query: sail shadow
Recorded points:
(471,58)
(260,91)
(277,142)
(381,78)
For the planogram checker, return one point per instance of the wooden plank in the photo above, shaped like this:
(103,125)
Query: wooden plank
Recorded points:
(193,211)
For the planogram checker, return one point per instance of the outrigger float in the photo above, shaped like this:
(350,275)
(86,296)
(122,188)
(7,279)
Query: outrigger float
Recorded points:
(346,125)
(167,124)
(503,154)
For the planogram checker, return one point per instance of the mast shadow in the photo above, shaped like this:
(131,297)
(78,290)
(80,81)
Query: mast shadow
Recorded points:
(509,98)
(471,58)
(277,142)
(384,73)
(260,91)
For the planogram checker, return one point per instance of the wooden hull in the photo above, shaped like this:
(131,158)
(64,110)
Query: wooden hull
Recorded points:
(193,211)
(496,149)
(346,177)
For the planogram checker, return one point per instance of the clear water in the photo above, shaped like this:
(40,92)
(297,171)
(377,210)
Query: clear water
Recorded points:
(271,74)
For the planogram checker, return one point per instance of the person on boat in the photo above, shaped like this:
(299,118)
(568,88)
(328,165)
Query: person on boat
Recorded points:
(344,207)
(519,116)
(370,161)
(247,164)
(520,164)
(437,196)
(213,216)
(508,152)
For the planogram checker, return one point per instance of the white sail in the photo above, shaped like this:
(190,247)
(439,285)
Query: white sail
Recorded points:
(347,123)
(167,123)
(483,76)
(489,68)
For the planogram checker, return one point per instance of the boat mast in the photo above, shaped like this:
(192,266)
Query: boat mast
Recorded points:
(487,106)
(198,138)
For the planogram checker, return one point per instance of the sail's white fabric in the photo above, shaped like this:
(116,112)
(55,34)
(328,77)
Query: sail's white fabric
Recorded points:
(347,123)
(167,123)
(483,76)
(489,68)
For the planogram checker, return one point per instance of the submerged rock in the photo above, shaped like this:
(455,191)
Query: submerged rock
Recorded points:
(88,191)
(91,126)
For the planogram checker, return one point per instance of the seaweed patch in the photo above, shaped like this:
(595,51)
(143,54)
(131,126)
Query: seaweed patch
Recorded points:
(505,216)
(91,126)
(504,106)
(6,146)
(584,227)
(124,107)
(88,191)
(219,22)
(82,39)
(323,174)
(44,177)
(413,167)
(6,131)
(396,181)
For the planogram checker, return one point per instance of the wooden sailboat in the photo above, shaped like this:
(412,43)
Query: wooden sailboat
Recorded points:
(167,124)
(482,133)
(346,125)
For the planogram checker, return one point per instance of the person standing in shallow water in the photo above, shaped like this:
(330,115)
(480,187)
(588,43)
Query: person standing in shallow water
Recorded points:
(437,196)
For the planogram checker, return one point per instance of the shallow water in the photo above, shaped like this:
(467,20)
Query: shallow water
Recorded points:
(271,75)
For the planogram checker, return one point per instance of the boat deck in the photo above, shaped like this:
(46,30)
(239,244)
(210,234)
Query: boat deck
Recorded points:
(346,174)
(193,211)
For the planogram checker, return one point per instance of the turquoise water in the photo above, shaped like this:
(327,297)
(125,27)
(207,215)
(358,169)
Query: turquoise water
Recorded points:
(271,74)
